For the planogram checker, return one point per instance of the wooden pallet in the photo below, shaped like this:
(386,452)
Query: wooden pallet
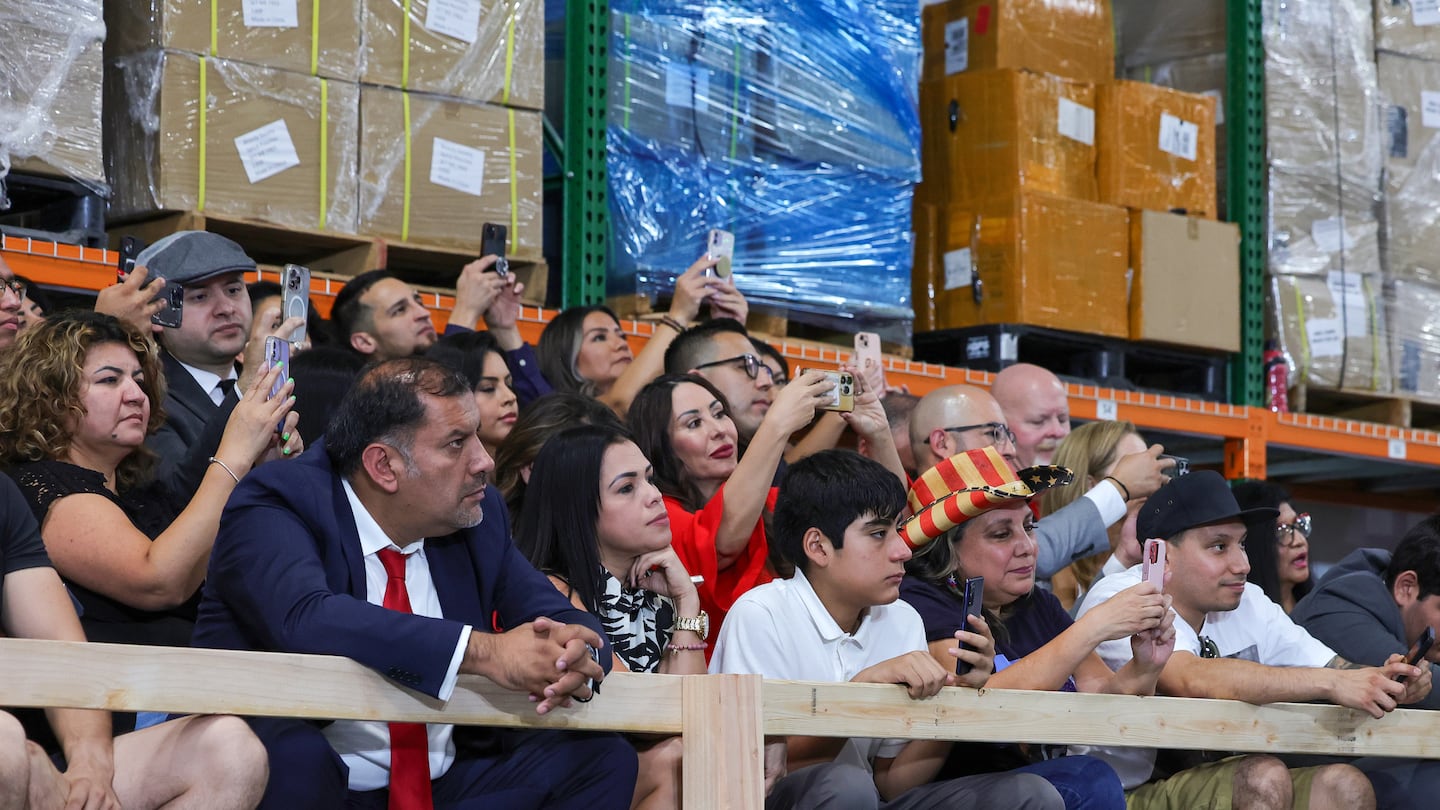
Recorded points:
(1366,406)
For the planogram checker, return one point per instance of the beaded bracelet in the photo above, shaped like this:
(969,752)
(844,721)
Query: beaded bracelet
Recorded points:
(225,467)
(687,647)
(672,323)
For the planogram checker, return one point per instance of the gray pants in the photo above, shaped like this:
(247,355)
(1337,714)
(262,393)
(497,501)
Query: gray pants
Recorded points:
(836,786)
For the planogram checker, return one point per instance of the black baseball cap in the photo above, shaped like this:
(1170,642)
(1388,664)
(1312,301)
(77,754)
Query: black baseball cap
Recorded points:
(190,257)
(1198,499)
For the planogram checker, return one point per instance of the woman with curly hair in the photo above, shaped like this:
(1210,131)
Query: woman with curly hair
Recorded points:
(80,389)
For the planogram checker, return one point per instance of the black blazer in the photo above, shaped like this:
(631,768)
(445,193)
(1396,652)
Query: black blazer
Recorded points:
(191,432)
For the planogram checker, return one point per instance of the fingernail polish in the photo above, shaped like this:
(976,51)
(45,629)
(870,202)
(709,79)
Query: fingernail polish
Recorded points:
(284,437)
(290,380)
(285,452)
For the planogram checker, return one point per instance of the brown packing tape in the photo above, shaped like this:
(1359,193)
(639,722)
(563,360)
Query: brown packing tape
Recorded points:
(1157,148)
(1070,38)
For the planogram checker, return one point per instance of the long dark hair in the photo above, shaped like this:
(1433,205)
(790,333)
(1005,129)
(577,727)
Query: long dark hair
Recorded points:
(1264,551)
(556,528)
(538,422)
(559,348)
(651,413)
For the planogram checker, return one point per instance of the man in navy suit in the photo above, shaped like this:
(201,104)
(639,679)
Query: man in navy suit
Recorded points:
(311,558)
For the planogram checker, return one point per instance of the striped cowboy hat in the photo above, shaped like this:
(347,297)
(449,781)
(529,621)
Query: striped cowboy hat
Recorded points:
(966,485)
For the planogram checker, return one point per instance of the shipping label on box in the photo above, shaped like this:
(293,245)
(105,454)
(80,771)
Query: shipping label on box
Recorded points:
(277,146)
(468,163)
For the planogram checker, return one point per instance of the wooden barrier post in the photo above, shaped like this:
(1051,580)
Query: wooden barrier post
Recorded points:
(724,745)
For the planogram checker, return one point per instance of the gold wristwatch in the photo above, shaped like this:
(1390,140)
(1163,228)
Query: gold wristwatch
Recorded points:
(699,625)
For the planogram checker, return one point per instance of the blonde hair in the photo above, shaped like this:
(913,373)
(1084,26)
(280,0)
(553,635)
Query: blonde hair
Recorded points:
(1089,451)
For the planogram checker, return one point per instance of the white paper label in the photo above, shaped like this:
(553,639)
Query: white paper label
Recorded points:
(1219,105)
(1106,411)
(269,13)
(957,269)
(1330,236)
(454,18)
(1425,12)
(1347,291)
(687,87)
(267,151)
(957,46)
(1077,122)
(1396,448)
(457,166)
(1178,136)
(1430,109)
(1326,336)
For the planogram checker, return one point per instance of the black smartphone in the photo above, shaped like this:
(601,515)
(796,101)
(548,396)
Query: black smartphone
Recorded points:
(1420,650)
(170,315)
(130,247)
(492,243)
(974,587)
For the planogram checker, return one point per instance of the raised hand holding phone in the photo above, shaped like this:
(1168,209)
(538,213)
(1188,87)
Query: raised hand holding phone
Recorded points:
(295,298)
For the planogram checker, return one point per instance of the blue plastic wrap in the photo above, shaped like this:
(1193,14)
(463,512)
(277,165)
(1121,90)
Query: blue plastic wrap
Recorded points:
(794,125)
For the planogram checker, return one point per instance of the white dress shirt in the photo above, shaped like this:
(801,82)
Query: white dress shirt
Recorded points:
(365,745)
(209,381)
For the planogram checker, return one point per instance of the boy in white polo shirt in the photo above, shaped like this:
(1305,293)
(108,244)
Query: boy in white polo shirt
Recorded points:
(840,619)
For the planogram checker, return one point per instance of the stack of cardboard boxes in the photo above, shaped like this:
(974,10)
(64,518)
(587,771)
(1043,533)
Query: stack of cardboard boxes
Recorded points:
(414,121)
(1049,186)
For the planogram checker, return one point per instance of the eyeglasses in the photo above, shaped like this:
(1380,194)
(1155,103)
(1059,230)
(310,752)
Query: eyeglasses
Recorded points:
(749,362)
(13,286)
(996,432)
(1285,532)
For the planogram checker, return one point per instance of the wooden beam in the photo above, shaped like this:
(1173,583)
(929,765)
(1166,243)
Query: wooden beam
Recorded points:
(724,762)
(1005,715)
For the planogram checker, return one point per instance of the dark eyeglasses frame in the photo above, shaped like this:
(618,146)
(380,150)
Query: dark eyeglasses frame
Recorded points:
(14,286)
(749,362)
(995,429)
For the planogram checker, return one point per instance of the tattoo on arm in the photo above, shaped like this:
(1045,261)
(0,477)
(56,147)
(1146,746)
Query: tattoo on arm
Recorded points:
(1340,663)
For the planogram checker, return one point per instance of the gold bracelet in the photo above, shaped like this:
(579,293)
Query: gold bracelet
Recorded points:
(225,467)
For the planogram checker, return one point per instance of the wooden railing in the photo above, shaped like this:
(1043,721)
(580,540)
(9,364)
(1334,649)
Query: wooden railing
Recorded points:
(723,718)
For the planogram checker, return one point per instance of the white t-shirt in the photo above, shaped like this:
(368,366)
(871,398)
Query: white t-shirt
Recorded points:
(782,630)
(1258,630)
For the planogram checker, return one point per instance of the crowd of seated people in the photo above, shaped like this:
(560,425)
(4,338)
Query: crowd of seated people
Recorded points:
(434,503)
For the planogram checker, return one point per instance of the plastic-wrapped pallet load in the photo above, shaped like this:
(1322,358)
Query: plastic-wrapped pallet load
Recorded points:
(1411,27)
(485,50)
(50,88)
(1411,91)
(1157,148)
(195,134)
(1333,330)
(1415,337)
(433,169)
(793,125)
(1070,38)
(318,37)
(1321,97)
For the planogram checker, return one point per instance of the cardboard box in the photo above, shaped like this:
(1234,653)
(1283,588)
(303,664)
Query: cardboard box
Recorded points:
(50,88)
(1411,245)
(1185,283)
(468,164)
(485,50)
(277,146)
(926,271)
(1204,75)
(994,133)
(1333,330)
(1156,148)
(319,37)
(1035,259)
(1407,27)
(1070,38)
(1414,321)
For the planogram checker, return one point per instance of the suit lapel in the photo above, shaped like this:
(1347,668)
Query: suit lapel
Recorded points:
(349,536)
(185,391)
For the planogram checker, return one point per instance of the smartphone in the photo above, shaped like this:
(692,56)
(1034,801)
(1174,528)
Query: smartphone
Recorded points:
(1152,563)
(295,297)
(974,588)
(277,351)
(1420,650)
(1182,466)
(173,310)
(130,247)
(720,245)
(843,398)
(492,243)
(867,351)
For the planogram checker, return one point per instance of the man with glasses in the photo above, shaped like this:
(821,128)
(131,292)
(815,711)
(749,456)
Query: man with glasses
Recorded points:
(957,418)
(1376,603)
(1233,642)
(720,351)
(12,298)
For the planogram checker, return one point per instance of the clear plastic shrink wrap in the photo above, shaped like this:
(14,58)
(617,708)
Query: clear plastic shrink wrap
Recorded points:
(50,88)
(794,125)
(193,134)
(1408,27)
(1411,247)
(1333,330)
(1415,337)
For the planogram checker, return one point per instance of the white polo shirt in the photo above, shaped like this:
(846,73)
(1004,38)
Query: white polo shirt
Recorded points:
(1258,630)
(782,630)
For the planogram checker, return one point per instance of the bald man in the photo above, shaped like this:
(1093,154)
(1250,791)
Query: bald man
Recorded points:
(957,418)
(1036,408)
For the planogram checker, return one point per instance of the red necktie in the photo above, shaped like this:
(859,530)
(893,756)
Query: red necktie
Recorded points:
(409,747)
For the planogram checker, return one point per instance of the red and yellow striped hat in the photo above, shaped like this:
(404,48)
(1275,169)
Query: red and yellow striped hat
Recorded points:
(966,485)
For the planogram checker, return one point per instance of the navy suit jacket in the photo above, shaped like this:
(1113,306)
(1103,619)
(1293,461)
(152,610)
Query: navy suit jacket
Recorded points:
(287,575)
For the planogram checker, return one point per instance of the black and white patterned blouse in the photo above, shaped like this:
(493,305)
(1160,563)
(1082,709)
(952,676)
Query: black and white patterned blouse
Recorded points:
(637,622)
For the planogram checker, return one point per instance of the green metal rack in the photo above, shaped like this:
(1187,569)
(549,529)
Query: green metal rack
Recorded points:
(1245,112)
(586,200)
